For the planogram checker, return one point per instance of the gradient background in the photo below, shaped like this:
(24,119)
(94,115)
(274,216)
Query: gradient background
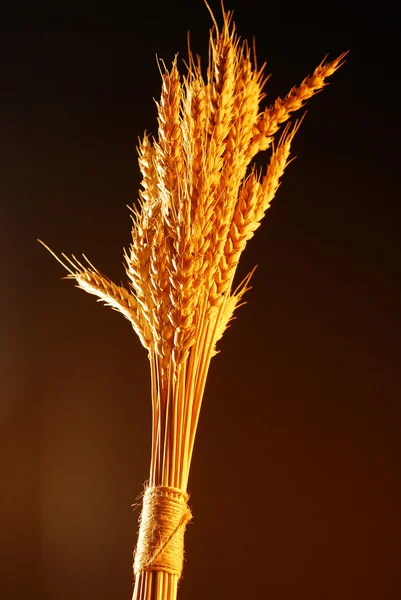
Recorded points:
(295,486)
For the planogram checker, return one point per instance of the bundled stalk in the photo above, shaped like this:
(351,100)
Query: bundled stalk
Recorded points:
(200,203)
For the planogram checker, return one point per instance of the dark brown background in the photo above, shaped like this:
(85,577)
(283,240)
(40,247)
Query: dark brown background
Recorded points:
(295,485)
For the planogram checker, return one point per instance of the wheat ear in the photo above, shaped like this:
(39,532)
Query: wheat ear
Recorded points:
(117,297)
(273,116)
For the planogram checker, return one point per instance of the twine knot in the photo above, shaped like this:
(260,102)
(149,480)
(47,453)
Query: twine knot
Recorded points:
(164,517)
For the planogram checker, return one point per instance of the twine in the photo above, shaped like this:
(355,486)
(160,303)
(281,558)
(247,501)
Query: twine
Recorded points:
(164,517)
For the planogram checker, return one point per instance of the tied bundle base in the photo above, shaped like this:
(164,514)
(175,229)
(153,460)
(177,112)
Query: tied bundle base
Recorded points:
(165,515)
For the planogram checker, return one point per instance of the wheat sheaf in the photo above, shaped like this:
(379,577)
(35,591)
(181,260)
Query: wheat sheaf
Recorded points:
(200,202)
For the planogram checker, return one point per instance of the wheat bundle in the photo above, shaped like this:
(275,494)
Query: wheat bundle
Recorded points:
(200,203)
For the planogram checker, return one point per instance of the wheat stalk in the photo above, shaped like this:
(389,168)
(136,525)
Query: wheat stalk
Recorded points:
(200,203)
